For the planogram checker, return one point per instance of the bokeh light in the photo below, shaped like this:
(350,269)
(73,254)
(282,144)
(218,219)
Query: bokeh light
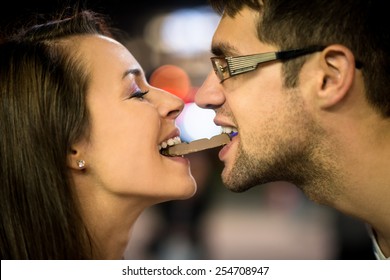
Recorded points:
(196,123)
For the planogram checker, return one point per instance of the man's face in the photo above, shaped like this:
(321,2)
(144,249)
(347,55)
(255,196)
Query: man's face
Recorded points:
(276,132)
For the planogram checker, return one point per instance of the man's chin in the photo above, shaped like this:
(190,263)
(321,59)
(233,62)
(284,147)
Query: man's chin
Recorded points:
(235,184)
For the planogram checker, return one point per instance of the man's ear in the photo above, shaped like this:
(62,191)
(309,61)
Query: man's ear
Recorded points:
(338,69)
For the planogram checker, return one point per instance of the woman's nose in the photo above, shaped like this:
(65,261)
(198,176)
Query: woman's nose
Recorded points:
(169,105)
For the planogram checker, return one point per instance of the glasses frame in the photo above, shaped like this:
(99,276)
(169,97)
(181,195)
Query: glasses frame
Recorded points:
(227,67)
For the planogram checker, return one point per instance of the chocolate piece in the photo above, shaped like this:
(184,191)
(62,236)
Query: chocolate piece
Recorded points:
(197,145)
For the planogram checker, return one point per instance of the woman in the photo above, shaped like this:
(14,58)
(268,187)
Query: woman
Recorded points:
(80,133)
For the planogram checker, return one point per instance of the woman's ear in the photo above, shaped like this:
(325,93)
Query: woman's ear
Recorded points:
(75,159)
(338,69)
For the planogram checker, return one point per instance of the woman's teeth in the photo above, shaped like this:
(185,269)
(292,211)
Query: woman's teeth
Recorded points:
(169,142)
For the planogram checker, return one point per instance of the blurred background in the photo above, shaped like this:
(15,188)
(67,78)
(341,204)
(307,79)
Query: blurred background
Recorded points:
(171,40)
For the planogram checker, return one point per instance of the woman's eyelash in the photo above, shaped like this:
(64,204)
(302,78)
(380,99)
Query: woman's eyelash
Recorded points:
(138,94)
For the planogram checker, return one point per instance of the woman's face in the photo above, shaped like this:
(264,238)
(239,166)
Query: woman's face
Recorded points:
(121,153)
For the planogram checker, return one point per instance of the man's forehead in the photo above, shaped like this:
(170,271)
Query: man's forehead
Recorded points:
(233,34)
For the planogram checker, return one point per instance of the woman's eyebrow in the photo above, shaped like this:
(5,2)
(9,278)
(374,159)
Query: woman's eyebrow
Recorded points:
(133,71)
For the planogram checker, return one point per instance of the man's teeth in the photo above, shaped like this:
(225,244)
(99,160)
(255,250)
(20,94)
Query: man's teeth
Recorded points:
(169,142)
(228,129)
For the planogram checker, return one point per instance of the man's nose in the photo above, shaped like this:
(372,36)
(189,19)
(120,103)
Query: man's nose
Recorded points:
(210,94)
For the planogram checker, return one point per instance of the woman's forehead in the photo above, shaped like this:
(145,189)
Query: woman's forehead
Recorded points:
(102,53)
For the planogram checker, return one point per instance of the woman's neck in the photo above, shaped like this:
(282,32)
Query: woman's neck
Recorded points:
(110,223)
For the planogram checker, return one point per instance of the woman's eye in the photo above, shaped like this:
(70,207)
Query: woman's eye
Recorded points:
(138,94)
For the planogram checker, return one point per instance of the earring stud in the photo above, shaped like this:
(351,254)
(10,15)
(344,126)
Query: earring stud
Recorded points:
(81,163)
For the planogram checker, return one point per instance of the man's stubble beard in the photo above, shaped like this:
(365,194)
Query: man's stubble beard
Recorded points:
(300,155)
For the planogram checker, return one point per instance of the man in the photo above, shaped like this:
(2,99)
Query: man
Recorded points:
(306,86)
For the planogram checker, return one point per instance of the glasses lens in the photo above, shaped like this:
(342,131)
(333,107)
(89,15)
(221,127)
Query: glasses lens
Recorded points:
(220,68)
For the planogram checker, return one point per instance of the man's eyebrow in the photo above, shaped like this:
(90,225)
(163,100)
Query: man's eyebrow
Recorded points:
(133,71)
(223,49)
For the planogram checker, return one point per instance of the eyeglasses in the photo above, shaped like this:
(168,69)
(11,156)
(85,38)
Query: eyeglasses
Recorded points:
(226,67)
